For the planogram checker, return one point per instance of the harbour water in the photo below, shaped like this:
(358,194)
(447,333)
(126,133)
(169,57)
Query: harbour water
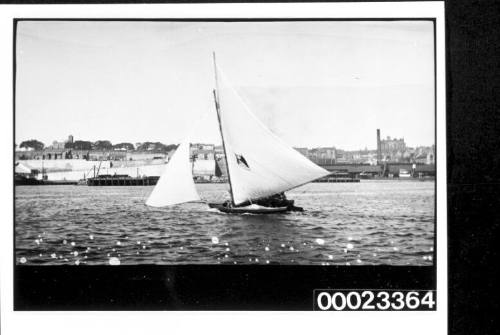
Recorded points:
(368,223)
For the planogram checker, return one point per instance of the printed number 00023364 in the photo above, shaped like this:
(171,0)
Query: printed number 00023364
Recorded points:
(374,300)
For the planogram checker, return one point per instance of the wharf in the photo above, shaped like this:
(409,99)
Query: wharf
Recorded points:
(336,180)
(120,180)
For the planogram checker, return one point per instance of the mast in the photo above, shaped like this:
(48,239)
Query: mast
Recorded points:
(221,133)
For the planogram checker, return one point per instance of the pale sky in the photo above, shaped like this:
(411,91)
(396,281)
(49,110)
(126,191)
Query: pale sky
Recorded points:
(312,83)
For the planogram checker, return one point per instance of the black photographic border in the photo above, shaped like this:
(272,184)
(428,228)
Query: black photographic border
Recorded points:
(205,287)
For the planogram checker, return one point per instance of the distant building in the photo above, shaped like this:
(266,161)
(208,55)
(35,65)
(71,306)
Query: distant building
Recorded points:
(361,156)
(57,145)
(106,155)
(392,145)
(219,151)
(425,155)
(202,146)
(202,151)
(390,149)
(323,155)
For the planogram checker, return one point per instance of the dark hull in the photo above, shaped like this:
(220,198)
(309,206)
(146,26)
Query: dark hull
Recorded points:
(249,210)
(20,180)
(263,210)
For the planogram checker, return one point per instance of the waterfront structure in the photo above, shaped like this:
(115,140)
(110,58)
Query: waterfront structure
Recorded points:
(208,161)
(144,155)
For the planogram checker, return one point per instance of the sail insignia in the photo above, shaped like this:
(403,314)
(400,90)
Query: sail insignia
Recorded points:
(241,161)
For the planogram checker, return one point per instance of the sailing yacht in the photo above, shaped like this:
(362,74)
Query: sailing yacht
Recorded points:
(259,164)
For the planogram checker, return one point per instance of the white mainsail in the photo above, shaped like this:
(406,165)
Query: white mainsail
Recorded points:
(176,184)
(259,163)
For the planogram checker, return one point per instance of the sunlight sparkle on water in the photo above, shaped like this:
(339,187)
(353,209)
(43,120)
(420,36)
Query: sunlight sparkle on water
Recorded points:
(400,228)
(114,261)
(320,241)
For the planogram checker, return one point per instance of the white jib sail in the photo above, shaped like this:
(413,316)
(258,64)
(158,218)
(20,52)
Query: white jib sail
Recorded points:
(176,184)
(260,164)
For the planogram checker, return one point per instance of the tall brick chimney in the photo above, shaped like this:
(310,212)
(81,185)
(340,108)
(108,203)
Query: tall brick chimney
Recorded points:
(379,149)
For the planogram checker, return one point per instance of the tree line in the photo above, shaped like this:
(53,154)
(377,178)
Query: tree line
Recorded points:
(102,145)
